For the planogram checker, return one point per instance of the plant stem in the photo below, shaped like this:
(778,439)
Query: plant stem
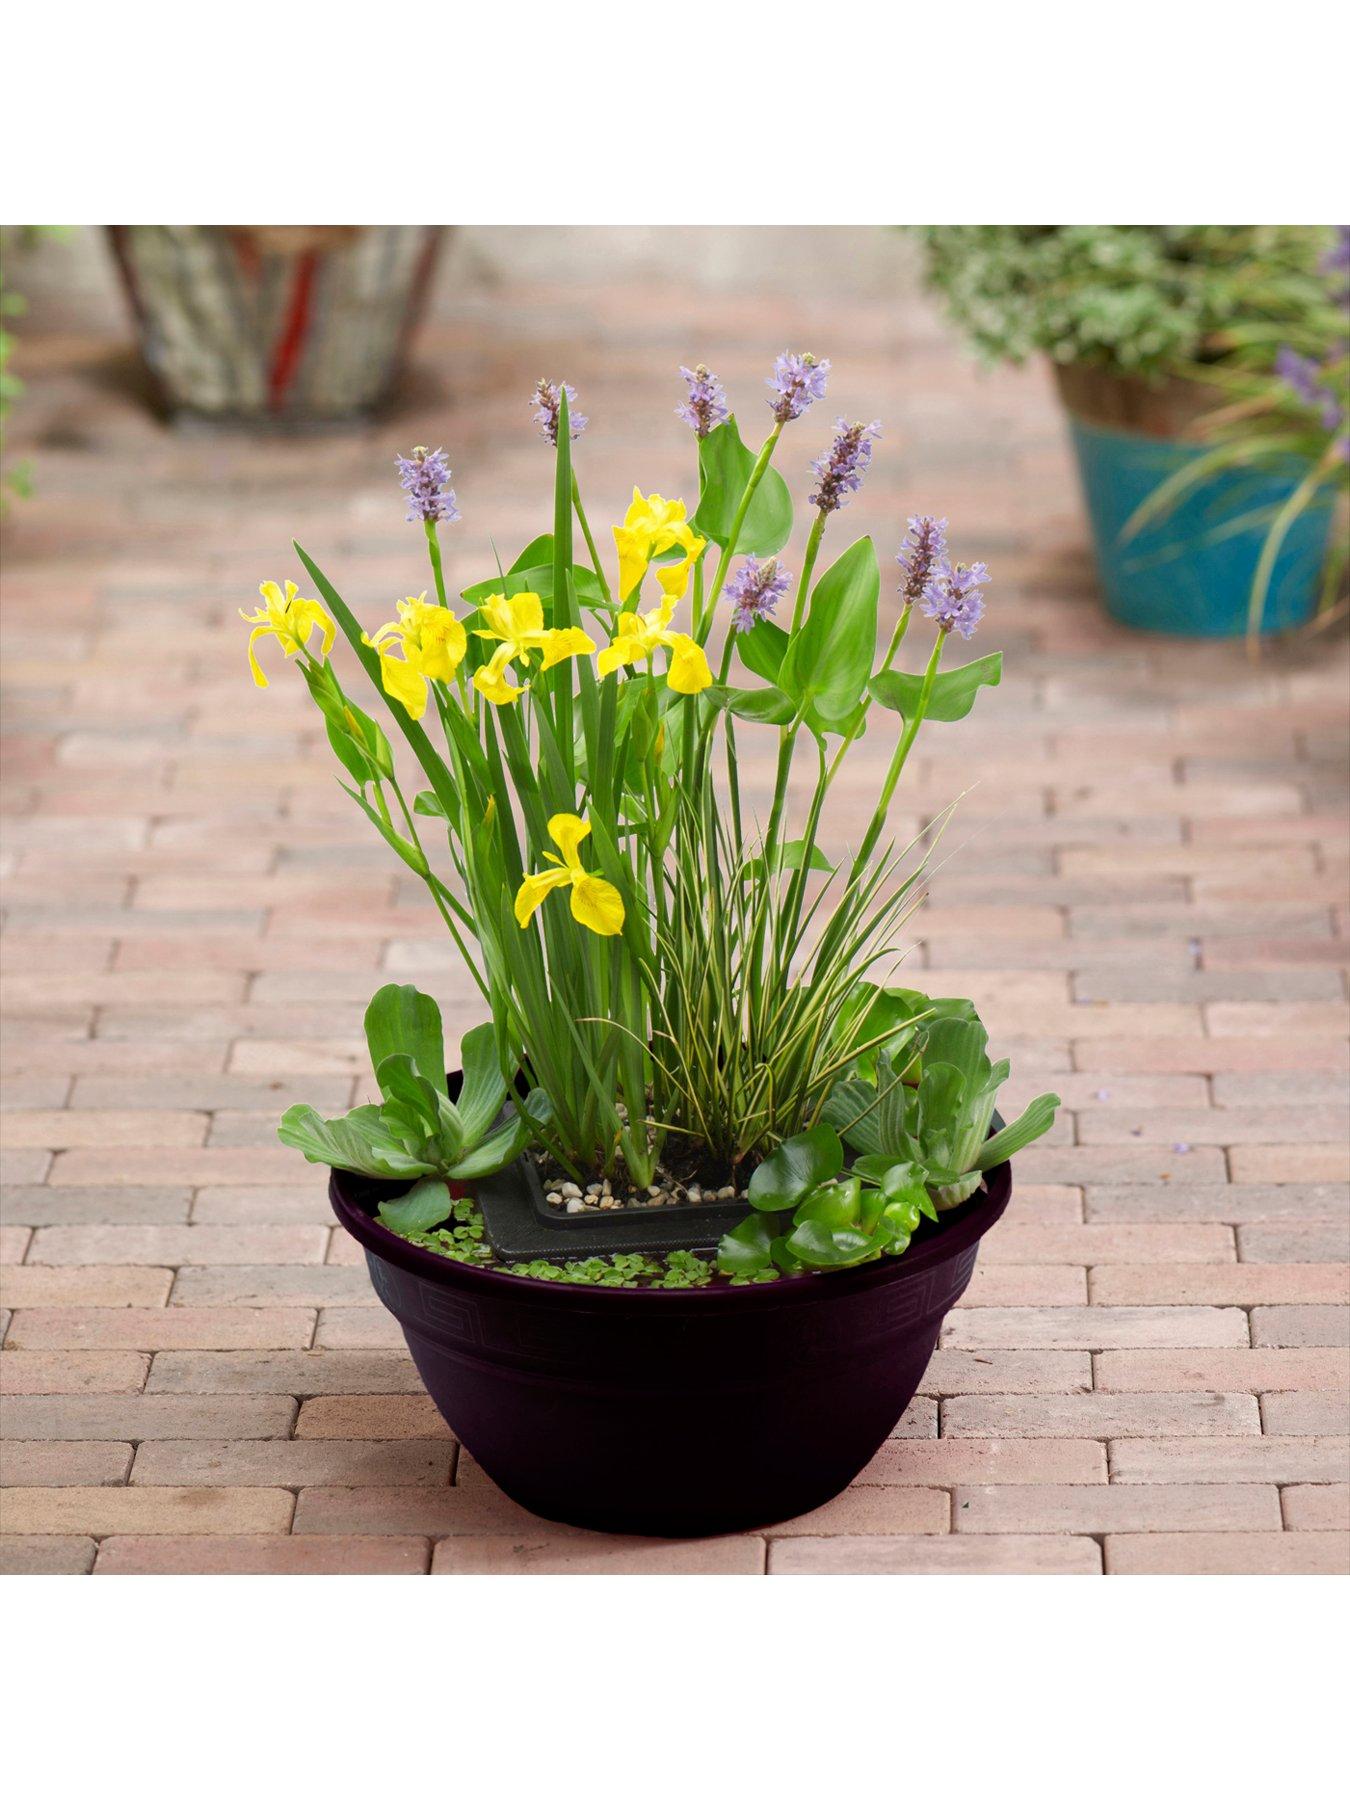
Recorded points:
(902,750)
(729,548)
(434,552)
(808,566)
(596,564)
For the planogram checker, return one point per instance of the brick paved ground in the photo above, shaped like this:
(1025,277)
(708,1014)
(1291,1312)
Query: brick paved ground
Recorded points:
(1147,902)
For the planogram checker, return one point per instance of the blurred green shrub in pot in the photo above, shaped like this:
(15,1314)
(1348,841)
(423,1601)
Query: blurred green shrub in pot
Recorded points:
(1150,300)
(1232,335)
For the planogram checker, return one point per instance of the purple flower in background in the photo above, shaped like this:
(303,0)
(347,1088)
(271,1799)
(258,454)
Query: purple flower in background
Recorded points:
(1337,259)
(546,400)
(425,479)
(1307,378)
(925,542)
(755,590)
(841,472)
(953,596)
(706,405)
(797,381)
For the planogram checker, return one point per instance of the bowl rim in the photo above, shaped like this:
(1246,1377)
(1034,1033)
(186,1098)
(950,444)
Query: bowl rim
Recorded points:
(968,1224)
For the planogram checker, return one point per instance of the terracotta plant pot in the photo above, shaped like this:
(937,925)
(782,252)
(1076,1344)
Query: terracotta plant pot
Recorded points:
(290,323)
(672,1413)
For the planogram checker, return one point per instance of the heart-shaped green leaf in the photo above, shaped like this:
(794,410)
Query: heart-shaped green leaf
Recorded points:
(818,1247)
(798,1165)
(762,649)
(830,658)
(953,692)
(761,706)
(745,1249)
(838,1204)
(725,466)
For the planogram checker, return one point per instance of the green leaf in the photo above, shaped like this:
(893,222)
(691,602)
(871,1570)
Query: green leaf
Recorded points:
(762,649)
(536,580)
(1034,1123)
(422,1208)
(872,1013)
(798,1164)
(851,1110)
(962,1045)
(819,1247)
(904,1181)
(433,765)
(505,1146)
(790,856)
(953,692)
(428,805)
(746,1248)
(832,653)
(725,466)
(484,1086)
(537,554)
(360,1142)
(404,847)
(762,706)
(398,1080)
(402,1021)
(837,1204)
(494,1152)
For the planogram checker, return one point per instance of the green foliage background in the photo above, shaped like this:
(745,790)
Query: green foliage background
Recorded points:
(1138,299)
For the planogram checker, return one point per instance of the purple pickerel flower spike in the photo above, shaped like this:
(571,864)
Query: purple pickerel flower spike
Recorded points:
(925,543)
(706,405)
(953,598)
(797,381)
(755,590)
(841,472)
(545,399)
(425,478)
(1308,380)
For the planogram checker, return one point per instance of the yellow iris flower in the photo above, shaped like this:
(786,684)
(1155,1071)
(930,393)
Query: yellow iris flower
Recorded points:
(650,526)
(517,624)
(433,643)
(596,903)
(641,634)
(289,619)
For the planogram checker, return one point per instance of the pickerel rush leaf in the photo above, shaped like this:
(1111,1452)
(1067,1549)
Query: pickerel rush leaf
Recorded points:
(724,469)
(830,659)
(953,691)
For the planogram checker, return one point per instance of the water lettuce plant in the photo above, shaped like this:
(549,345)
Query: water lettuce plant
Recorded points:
(920,1138)
(417,1129)
(670,982)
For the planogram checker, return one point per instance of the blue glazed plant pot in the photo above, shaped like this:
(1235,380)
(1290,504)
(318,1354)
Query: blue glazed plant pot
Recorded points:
(1189,572)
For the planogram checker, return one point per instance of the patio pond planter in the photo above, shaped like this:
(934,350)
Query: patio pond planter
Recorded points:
(285,324)
(1188,572)
(671,1413)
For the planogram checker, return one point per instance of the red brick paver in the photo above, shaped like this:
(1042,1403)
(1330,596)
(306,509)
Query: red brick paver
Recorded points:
(1146,899)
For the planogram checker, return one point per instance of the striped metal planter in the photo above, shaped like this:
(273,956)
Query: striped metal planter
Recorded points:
(296,324)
